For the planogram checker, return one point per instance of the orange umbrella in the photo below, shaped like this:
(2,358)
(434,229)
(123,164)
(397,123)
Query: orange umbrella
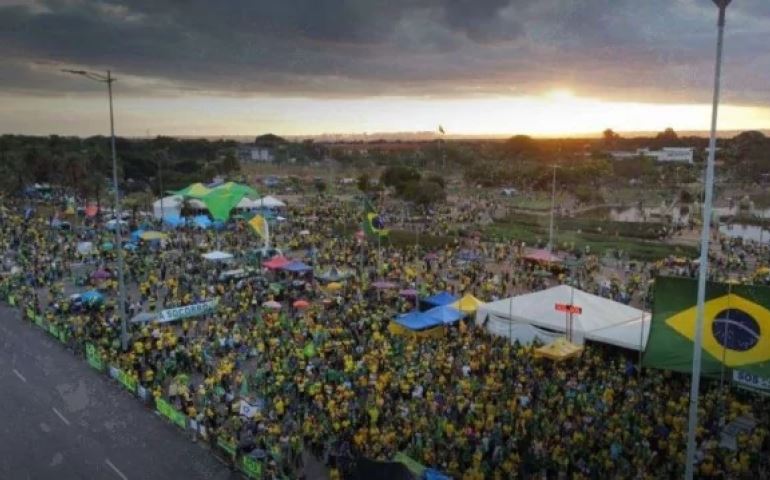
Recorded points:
(301,304)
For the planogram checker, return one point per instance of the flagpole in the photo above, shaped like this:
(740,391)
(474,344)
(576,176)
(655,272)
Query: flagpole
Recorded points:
(704,253)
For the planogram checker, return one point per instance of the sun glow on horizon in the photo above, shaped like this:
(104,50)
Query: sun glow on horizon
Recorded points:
(554,113)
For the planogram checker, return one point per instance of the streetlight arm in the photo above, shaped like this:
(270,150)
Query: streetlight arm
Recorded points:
(97,77)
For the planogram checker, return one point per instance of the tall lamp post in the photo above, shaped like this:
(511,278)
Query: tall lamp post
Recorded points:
(704,252)
(108,79)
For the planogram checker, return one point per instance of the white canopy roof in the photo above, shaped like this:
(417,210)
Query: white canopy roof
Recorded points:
(602,320)
(217,255)
(172,206)
(246,204)
(269,202)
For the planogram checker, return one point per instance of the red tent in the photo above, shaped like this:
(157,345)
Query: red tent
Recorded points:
(276,262)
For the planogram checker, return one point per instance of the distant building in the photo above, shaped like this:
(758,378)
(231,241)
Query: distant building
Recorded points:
(251,153)
(666,154)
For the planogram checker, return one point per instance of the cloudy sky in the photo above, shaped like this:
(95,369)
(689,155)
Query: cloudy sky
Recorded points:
(242,67)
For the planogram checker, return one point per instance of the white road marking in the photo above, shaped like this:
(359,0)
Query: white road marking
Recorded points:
(112,466)
(67,422)
(21,377)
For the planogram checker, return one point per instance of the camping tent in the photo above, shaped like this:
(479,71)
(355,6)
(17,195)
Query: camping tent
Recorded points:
(534,315)
(439,299)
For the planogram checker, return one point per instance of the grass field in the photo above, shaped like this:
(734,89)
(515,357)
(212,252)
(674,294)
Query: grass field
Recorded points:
(637,240)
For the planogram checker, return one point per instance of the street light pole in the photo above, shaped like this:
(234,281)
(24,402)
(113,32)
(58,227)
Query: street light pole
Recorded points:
(704,253)
(108,79)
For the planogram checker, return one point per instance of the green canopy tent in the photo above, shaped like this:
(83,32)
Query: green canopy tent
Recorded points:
(195,190)
(219,200)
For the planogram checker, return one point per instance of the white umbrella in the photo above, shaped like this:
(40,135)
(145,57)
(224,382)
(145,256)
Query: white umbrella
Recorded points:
(217,256)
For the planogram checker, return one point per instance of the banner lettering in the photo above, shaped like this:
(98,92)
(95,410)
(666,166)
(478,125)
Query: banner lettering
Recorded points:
(195,310)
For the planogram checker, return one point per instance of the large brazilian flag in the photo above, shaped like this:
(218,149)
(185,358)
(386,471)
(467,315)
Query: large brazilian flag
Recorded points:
(736,327)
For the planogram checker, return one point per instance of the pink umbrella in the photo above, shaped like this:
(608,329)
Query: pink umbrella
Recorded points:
(301,304)
(272,305)
(101,275)
(276,262)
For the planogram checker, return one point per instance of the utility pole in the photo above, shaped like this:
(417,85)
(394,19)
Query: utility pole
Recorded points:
(704,253)
(108,79)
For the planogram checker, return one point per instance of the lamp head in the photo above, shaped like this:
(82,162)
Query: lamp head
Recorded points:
(722,3)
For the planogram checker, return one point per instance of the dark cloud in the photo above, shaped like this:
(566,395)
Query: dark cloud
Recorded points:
(649,50)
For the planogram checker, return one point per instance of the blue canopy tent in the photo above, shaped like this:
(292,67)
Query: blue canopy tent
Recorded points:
(173,220)
(431,474)
(92,298)
(297,267)
(202,221)
(439,299)
(444,314)
(136,235)
(417,321)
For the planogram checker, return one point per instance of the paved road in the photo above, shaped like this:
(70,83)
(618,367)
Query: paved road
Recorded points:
(61,420)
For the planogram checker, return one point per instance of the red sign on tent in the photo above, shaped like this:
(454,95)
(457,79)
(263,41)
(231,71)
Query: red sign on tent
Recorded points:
(567,308)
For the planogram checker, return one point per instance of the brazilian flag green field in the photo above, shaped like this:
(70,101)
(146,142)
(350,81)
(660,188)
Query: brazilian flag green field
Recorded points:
(736,327)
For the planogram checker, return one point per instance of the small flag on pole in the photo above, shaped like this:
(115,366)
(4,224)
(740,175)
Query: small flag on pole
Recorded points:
(441,130)
(373,224)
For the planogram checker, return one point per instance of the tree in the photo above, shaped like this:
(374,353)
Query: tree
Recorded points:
(610,138)
(685,196)
(667,135)
(230,163)
(424,192)
(398,176)
(364,182)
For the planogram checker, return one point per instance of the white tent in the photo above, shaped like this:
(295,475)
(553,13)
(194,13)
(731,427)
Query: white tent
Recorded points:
(172,206)
(246,204)
(269,202)
(217,256)
(534,315)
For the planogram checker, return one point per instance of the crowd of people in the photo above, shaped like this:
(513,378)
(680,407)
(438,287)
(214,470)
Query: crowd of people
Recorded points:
(327,377)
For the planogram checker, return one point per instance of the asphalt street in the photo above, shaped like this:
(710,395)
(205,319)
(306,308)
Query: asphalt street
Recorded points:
(60,419)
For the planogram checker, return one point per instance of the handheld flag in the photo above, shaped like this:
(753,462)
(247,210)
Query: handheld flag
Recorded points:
(373,225)
(736,327)
(259,224)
